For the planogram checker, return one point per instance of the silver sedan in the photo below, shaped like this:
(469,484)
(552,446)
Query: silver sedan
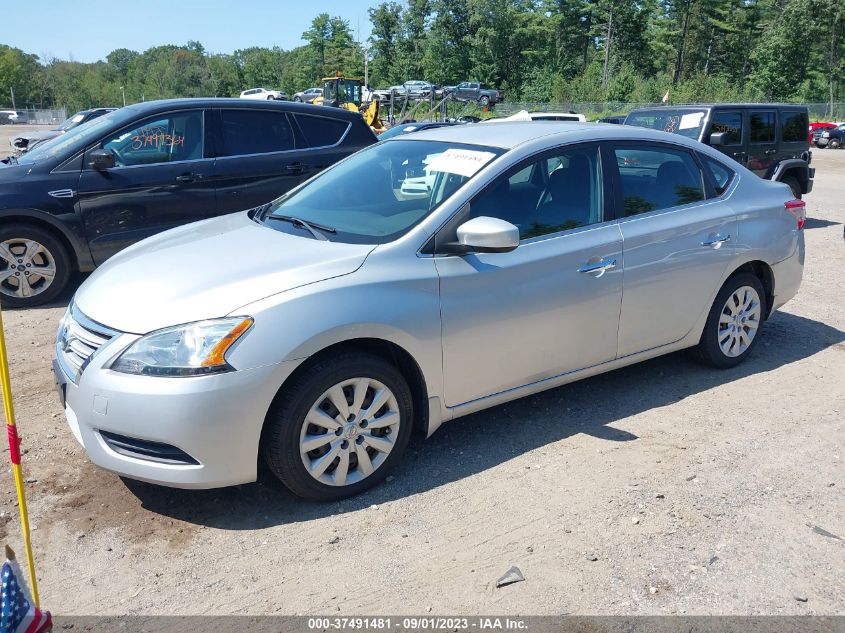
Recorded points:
(419,280)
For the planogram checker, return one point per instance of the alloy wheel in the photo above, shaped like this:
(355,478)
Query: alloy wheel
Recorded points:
(27,268)
(349,431)
(739,321)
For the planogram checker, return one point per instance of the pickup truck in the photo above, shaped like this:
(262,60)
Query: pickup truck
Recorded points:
(472,91)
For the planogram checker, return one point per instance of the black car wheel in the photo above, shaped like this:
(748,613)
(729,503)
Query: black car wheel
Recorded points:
(793,184)
(298,99)
(34,266)
(834,143)
(484,101)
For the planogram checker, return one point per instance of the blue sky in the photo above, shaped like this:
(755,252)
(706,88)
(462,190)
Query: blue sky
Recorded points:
(88,30)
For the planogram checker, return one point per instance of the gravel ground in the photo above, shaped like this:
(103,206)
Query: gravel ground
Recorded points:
(663,488)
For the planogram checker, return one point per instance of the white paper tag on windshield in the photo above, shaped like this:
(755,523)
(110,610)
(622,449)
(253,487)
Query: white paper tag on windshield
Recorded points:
(464,162)
(693,119)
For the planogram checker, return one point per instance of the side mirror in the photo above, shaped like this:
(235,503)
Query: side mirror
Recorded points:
(101,159)
(488,235)
(717,138)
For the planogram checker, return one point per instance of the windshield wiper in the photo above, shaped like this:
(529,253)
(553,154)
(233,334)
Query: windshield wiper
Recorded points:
(311,227)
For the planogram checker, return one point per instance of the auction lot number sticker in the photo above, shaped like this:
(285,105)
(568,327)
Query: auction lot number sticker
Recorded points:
(416,623)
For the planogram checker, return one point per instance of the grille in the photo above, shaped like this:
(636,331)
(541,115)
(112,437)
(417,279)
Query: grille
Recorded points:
(78,341)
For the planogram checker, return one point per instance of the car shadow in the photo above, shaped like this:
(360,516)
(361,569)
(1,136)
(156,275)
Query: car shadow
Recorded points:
(817,223)
(471,444)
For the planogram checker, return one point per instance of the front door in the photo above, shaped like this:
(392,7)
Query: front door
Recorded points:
(547,308)
(678,243)
(161,179)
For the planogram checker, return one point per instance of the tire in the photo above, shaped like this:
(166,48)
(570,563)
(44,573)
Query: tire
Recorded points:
(271,98)
(834,143)
(709,349)
(50,255)
(484,101)
(298,99)
(286,427)
(793,184)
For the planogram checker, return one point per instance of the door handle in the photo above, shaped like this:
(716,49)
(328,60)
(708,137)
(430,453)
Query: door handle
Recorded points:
(185,178)
(769,152)
(295,168)
(716,241)
(597,269)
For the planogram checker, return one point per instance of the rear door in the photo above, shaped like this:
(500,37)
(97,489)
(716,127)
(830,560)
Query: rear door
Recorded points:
(678,238)
(258,158)
(762,141)
(792,134)
(162,178)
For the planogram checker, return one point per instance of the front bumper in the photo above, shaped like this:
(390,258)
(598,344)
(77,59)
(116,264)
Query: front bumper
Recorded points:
(215,419)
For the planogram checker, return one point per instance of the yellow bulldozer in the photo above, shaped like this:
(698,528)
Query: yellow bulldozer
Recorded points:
(347,93)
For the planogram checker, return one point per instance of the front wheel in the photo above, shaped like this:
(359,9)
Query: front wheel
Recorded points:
(734,322)
(339,427)
(298,99)
(834,143)
(484,101)
(34,266)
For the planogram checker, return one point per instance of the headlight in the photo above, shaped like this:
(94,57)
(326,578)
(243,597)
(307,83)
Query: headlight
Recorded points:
(193,349)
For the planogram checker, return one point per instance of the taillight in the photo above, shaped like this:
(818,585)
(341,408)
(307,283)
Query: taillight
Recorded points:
(798,209)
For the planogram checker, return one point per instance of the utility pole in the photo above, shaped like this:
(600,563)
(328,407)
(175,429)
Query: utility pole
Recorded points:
(123,94)
(12,90)
(366,66)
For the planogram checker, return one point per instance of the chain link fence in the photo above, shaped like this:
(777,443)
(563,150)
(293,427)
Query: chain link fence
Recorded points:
(33,116)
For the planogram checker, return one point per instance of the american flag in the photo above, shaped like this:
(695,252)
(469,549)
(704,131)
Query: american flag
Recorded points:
(19,615)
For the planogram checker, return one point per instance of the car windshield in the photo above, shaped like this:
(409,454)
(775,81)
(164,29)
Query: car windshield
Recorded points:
(378,194)
(76,119)
(81,134)
(684,121)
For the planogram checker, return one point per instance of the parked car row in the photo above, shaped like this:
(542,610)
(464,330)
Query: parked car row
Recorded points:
(13,117)
(28,140)
(72,202)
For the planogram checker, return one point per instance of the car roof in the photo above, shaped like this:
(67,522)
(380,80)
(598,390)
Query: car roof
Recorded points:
(674,106)
(510,135)
(153,107)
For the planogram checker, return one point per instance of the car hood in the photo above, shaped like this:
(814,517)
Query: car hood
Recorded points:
(40,136)
(207,269)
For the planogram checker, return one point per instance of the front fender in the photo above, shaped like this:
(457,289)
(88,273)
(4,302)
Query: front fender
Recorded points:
(68,225)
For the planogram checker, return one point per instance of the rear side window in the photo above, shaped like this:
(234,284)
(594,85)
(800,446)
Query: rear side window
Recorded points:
(762,125)
(321,131)
(255,132)
(794,126)
(722,176)
(656,178)
(731,124)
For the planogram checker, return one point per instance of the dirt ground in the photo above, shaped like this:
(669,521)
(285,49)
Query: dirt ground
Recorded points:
(663,488)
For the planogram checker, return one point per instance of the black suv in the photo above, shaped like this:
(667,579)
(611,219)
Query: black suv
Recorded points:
(74,201)
(769,139)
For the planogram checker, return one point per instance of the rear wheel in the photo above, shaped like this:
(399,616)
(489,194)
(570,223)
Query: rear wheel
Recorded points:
(734,322)
(34,266)
(834,143)
(340,427)
(793,184)
(298,99)
(484,101)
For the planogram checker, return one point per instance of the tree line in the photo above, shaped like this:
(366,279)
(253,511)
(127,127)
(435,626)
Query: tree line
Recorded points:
(536,50)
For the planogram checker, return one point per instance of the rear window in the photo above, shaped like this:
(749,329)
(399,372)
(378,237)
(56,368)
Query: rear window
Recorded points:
(794,126)
(321,131)
(255,132)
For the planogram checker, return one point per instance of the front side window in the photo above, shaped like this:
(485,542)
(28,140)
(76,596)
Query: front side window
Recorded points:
(556,193)
(654,178)
(162,139)
(762,127)
(730,123)
(794,127)
(248,132)
(378,194)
